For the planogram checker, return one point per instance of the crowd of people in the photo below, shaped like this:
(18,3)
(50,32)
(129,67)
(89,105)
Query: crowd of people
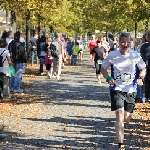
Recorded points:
(46,50)
(130,69)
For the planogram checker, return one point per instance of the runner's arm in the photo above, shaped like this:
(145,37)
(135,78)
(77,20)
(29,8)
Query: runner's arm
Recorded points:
(142,73)
(9,60)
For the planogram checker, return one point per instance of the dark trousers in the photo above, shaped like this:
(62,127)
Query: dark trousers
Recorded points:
(4,85)
(41,63)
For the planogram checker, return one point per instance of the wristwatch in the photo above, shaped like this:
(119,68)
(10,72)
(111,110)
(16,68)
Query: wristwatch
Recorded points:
(141,78)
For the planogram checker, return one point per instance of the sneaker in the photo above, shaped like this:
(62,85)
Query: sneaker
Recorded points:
(18,91)
(58,77)
(99,81)
(6,97)
(122,147)
(48,76)
(42,73)
(54,75)
(11,90)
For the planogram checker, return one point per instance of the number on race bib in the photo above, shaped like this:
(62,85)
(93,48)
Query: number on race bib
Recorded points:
(123,77)
(99,61)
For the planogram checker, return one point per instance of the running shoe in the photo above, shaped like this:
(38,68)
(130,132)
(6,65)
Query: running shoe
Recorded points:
(48,76)
(43,73)
(122,147)
(99,81)
(18,91)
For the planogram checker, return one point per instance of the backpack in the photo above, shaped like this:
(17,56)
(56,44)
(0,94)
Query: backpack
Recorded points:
(1,59)
(54,47)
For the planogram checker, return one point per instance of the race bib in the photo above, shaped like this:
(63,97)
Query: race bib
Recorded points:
(99,61)
(123,77)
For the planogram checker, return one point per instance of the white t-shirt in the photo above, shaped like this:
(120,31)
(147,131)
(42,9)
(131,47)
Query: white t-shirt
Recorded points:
(5,68)
(124,69)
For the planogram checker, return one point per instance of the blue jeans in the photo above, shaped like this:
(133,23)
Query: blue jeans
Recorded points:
(15,81)
(74,59)
(139,92)
(34,55)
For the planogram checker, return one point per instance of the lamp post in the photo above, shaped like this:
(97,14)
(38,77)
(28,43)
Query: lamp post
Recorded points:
(27,31)
(13,20)
(136,29)
(51,29)
(39,24)
(146,23)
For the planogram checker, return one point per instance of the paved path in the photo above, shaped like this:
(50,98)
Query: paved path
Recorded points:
(73,113)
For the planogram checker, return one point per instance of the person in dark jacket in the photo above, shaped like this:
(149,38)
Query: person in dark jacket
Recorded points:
(19,60)
(33,45)
(41,47)
(145,54)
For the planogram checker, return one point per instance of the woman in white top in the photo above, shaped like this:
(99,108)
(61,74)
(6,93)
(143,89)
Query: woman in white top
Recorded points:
(5,61)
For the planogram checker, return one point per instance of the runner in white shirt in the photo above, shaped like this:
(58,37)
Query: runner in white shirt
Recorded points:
(127,70)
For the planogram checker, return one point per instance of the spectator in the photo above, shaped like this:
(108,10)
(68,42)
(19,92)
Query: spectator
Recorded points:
(9,38)
(4,34)
(33,45)
(18,57)
(41,43)
(145,53)
(58,61)
(4,69)
(76,50)
(48,61)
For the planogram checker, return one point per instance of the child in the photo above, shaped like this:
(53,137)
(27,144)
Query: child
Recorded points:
(75,53)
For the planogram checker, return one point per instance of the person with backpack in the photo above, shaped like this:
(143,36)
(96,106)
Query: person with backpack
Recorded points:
(58,55)
(19,59)
(5,62)
(98,53)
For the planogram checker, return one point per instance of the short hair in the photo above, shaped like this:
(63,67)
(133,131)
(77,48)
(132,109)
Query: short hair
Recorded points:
(3,43)
(48,39)
(98,41)
(17,35)
(58,35)
(43,38)
(76,43)
(9,33)
(124,34)
(4,34)
(148,34)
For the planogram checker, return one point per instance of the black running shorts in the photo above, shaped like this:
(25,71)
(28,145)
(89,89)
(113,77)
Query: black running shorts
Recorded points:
(121,99)
(98,68)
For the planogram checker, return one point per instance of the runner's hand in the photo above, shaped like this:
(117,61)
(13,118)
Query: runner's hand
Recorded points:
(112,82)
(140,82)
